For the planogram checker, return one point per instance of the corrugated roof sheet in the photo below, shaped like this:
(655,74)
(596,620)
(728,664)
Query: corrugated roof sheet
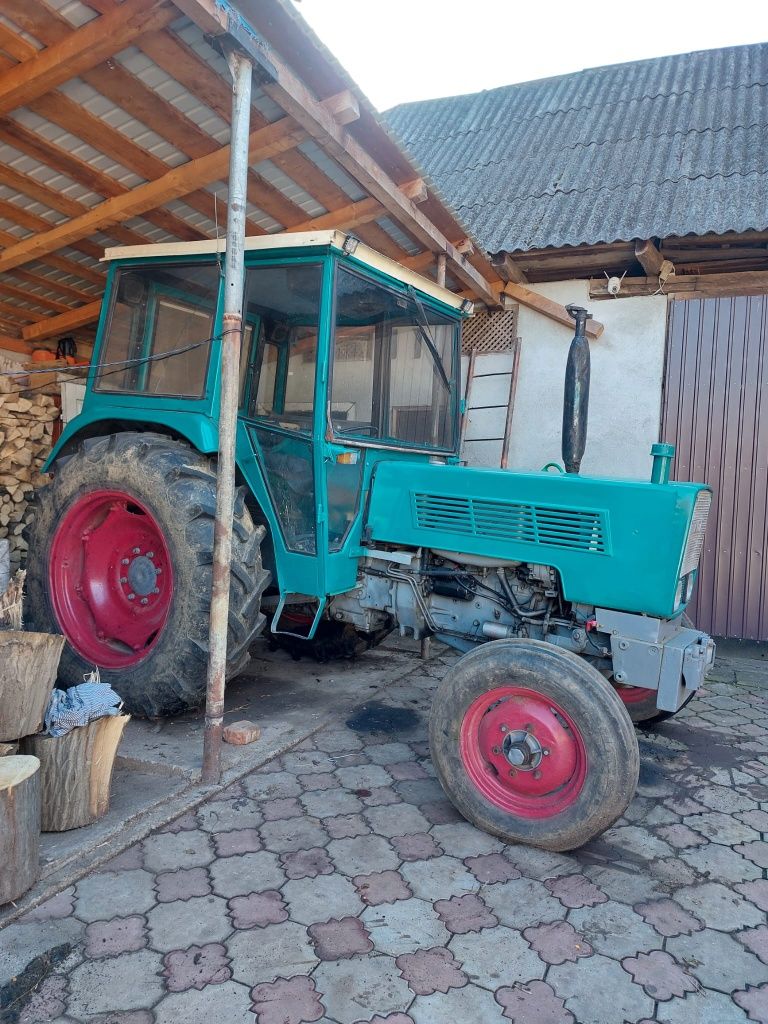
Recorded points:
(670,146)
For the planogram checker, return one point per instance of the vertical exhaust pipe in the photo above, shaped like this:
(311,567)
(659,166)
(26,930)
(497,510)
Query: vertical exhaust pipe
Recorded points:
(576,398)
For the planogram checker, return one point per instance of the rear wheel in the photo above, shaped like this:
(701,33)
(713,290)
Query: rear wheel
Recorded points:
(121,552)
(533,745)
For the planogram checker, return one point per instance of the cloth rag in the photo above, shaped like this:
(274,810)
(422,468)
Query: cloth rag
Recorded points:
(79,705)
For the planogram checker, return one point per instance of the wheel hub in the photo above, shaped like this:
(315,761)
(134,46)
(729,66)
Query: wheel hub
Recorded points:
(522,750)
(142,575)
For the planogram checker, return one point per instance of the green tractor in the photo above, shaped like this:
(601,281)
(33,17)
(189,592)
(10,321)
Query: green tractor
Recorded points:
(354,516)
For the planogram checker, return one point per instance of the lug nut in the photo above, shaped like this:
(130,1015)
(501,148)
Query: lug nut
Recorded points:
(511,771)
(545,752)
(505,728)
(137,551)
(123,579)
(145,600)
(156,590)
(131,597)
(496,750)
(126,561)
(158,571)
(150,554)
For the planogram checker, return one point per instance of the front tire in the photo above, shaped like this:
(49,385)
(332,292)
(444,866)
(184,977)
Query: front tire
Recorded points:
(121,552)
(532,744)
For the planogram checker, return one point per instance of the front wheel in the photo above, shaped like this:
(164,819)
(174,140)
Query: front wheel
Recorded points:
(533,745)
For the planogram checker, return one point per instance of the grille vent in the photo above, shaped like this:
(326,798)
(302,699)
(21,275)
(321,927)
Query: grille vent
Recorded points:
(576,529)
(695,541)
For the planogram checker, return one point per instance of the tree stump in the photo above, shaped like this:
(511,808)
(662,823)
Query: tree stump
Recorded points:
(28,666)
(19,825)
(76,772)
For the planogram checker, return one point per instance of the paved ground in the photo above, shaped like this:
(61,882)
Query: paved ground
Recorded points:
(337,884)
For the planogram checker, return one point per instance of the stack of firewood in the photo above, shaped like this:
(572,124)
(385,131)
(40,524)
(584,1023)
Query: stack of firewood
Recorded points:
(26,426)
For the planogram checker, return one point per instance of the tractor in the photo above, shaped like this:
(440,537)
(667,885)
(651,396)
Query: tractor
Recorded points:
(354,516)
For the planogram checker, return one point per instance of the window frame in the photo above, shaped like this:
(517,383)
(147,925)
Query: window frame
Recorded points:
(170,291)
(353,441)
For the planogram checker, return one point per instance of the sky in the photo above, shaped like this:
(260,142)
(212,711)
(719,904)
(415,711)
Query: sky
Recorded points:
(401,50)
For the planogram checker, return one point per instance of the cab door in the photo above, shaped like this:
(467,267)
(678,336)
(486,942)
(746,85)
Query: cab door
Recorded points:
(279,388)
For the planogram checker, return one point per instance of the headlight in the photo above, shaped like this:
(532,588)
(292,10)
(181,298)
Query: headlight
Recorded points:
(695,541)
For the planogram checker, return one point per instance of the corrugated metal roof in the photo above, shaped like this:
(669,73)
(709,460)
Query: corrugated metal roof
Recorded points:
(671,146)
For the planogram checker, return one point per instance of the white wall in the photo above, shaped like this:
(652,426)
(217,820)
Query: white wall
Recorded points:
(625,395)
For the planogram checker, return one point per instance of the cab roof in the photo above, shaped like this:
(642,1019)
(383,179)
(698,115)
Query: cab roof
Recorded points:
(334,239)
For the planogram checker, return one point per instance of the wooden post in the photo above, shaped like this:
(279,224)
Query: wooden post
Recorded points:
(19,825)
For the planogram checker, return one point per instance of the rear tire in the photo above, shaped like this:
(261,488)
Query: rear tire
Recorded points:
(533,745)
(155,497)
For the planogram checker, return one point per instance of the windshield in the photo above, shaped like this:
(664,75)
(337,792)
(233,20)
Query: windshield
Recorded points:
(393,366)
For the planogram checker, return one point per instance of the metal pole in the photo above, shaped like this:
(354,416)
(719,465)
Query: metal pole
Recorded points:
(232,328)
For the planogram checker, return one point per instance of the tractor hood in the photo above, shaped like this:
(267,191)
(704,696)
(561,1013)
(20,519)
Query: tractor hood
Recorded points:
(619,544)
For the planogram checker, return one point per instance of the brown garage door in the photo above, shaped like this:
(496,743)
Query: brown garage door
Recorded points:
(715,409)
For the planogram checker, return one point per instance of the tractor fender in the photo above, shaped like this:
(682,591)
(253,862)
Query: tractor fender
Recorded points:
(198,431)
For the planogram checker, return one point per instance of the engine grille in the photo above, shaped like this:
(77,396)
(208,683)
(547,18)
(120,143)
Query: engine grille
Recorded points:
(695,541)
(576,529)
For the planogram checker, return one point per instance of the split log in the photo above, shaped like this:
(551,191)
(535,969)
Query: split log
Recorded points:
(77,772)
(28,666)
(19,825)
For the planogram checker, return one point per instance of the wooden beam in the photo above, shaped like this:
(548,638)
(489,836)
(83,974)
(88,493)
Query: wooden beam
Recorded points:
(343,107)
(507,269)
(83,49)
(415,190)
(55,325)
(175,184)
(14,345)
(465,246)
(348,217)
(693,286)
(649,257)
(549,308)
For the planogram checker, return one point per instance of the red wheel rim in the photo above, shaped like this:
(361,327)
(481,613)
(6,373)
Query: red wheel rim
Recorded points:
(110,578)
(635,694)
(523,752)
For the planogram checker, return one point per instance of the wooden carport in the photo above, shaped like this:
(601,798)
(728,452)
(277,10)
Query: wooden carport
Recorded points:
(114,128)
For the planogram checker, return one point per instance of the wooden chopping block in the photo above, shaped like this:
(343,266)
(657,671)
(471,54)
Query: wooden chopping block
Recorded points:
(28,666)
(19,825)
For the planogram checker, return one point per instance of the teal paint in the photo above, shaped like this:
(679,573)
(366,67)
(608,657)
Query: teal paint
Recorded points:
(662,455)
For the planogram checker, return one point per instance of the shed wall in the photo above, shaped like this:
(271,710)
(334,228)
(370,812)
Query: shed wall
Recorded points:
(625,400)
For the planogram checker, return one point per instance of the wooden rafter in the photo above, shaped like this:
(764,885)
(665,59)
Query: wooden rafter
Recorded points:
(56,325)
(81,50)
(172,185)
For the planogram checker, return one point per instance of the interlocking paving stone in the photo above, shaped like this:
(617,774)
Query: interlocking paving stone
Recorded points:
(220,1004)
(364,776)
(417,846)
(271,785)
(490,868)
(557,942)
(101,897)
(534,1003)
(523,902)
(340,939)
(397,820)
(229,815)
(246,873)
(111,938)
(196,967)
(324,803)
(197,921)
(281,949)
(306,863)
(317,899)
(469,1003)
(462,914)
(659,974)
(287,1001)
(719,907)
(239,840)
(47,1001)
(258,909)
(668,917)
(754,1000)
(722,828)
(404,927)
(721,863)
(717,960)
(597,991)
(289,835)
(357,989)
(56,907)
(381,887)
(755,940)
(500,957)
(431,970)
(614,929)
(388,753)
(128,982)
(443,876)
(575,891)
(756,892)
(700,1008)
(169,851)
(362,854)
(625,886)
(182,884)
